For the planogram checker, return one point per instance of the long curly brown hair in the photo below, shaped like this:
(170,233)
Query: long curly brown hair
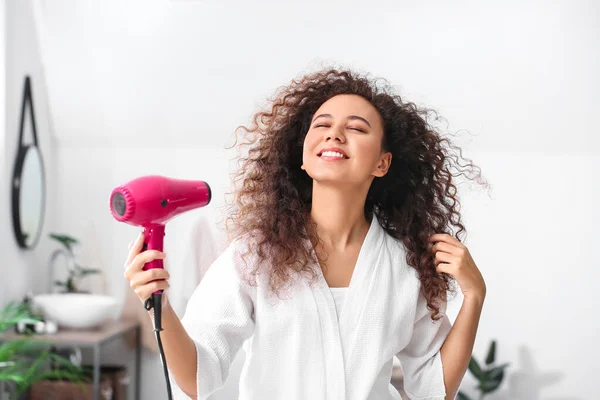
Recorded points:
(415,199)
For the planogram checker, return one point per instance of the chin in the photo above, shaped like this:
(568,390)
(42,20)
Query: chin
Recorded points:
(331,180)
(330,177)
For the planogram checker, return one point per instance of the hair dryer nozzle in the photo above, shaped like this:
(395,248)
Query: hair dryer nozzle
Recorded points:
(154,200)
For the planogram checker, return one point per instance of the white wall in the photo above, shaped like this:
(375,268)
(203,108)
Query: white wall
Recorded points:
(2,80)
(26,269)
(4,199)
(159,88)
(3,227)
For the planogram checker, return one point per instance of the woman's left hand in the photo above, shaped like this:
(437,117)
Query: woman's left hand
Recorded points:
(453,257)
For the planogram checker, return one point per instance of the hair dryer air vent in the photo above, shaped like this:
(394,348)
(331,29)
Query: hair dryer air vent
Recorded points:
(122,204)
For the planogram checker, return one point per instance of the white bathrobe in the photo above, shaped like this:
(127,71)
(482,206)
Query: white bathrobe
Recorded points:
(299,349)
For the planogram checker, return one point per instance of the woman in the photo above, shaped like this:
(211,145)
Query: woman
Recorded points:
(339,258)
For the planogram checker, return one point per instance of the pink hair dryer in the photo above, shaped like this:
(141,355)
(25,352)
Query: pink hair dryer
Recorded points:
(151,201)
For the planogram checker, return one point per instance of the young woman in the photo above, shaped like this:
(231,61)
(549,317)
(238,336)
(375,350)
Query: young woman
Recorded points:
(339,257)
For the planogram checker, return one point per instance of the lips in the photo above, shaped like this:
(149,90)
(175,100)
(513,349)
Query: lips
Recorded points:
(333,152)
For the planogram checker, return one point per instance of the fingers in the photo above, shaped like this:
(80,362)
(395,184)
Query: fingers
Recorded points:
(443,257)
(443,247)
(144,292)
(444,237)
(144,283)
(444,262)
(134,248)
(140,260)
(143,278)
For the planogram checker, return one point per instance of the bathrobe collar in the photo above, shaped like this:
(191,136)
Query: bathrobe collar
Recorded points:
(337,333)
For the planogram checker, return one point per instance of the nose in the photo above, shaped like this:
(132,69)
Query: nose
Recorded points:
(335,134)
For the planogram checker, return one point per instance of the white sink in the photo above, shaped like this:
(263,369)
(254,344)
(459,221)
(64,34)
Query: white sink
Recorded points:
(76,310)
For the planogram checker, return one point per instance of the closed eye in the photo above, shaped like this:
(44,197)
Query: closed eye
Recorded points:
(327,126)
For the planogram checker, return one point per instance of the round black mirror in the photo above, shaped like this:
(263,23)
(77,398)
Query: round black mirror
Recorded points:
(28,196)
(28,182)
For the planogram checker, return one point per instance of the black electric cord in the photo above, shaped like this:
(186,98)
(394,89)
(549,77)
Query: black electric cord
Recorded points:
(155,302)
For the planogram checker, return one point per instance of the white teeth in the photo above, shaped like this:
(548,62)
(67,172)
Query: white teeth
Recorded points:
(332,154)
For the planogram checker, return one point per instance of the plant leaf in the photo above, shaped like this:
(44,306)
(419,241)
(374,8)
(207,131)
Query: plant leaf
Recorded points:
(65,364)
(36,370)
(64,239)
(71,285)
(23,362)
(10,349)
(462,396)
(491,356)
(489,386)
(497,373)
(12,313)
(476,369)
(4,377)
(88,271)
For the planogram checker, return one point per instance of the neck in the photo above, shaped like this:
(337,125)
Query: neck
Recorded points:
(339,215)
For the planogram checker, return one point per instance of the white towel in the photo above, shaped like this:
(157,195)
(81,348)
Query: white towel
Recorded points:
(190,260)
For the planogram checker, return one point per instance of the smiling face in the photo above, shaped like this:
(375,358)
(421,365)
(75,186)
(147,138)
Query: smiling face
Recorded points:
(344,142)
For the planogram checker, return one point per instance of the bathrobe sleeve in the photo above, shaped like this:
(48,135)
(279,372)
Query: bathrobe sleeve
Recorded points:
(420,360)
(219,317)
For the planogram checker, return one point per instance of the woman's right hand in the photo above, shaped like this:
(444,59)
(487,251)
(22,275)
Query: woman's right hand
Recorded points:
(144,283)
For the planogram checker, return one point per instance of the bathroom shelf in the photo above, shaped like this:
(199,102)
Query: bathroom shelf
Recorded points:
(95,339)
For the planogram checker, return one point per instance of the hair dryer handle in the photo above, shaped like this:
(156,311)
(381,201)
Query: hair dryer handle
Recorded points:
(154,240)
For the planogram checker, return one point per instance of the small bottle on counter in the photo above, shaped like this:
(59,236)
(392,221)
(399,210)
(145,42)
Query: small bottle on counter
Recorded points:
(51,327)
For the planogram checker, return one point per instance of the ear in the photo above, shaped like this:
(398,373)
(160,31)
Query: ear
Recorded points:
(384,165)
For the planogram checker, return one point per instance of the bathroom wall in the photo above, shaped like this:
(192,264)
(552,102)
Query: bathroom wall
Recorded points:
(26,269)
(6,240)
(160,88)
(4,228)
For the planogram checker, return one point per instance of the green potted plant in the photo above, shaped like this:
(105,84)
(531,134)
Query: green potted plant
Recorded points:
(76,272)
(489,377)
(24,362)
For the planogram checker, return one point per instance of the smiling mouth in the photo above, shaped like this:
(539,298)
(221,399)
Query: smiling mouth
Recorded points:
(332,155)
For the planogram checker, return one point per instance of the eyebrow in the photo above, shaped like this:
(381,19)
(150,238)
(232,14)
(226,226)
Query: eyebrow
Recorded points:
(350,117)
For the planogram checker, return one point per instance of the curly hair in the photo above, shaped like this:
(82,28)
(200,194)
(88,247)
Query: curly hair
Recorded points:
(415,199)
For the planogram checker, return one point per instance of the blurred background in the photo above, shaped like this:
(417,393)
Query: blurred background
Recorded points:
(128,88)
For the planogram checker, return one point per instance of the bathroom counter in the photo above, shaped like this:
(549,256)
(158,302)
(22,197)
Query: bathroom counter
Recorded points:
(91,338)
(79,337)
